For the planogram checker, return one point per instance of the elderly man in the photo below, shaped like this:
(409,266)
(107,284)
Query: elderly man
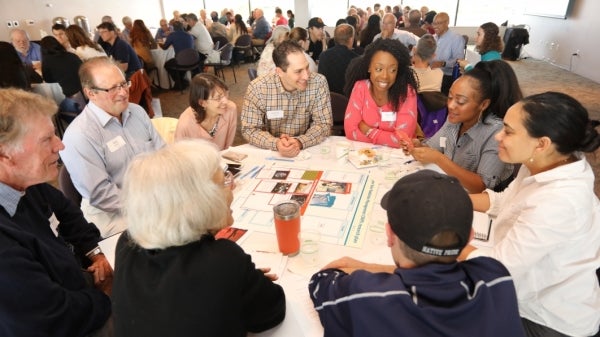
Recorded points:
(413,24)
(128,23)
(163,31)
(103,139)
(29,52)
(118,49)
(206,20)
(450,47)
(44,238)
(289,109)
(389,31)
(334,61)
(260,28)
(204,43)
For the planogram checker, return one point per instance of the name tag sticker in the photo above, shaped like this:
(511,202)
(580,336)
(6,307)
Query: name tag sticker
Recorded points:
(115,143)
(275,114)
(443,142)
(388,116)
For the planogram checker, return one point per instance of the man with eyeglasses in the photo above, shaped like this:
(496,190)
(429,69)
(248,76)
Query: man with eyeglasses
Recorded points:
(389,31)
(450,47)
(118,49)
(102,141)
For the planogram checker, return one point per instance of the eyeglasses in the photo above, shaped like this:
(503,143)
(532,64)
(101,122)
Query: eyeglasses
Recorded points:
(228,181)
(114,90)
(220,98)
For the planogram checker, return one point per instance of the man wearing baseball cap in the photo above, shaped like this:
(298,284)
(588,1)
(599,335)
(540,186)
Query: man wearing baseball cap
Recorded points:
(316,36)
(427,292)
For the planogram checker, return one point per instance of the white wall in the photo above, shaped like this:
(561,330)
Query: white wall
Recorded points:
(554,40)
(42,13)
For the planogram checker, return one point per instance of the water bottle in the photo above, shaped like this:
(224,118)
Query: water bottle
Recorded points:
(456,71)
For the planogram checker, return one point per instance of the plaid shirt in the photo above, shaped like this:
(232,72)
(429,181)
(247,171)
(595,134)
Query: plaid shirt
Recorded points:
(306,114)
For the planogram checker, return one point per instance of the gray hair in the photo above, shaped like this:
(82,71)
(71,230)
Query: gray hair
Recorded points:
(426,47)
(169,197)
(279,34)
(16,106)
(85,70)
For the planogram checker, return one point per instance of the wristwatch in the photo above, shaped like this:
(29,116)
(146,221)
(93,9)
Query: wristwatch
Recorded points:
(94,252)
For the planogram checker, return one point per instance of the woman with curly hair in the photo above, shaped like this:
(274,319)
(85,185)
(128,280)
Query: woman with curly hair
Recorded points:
(142,41)
(84,47)
(383,101)
(487,43)
(368,33)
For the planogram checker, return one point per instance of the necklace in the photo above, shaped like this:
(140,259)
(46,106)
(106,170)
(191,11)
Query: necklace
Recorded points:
(213,131)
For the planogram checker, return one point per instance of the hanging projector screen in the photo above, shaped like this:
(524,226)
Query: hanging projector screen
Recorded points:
(551,8)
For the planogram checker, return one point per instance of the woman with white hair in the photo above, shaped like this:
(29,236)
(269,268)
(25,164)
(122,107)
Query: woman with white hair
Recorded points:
(172,277)
(266,64)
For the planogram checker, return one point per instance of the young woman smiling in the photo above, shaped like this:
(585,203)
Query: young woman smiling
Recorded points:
(382,108)
(465,146)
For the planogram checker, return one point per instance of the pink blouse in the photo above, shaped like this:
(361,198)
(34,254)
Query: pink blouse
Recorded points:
(384,121)
(188,127)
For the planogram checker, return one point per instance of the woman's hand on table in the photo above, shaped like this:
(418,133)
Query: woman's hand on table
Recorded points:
(426,155)
(408,145)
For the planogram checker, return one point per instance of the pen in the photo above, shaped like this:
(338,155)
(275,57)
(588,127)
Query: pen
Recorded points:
(408,162)
(249,172)
(279,159)
(256,172)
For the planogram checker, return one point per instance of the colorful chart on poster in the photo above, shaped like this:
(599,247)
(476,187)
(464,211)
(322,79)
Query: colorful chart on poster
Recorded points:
(337,203)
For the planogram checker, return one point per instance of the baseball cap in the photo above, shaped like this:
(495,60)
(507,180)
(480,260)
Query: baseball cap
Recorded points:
(426,203)
(316,22)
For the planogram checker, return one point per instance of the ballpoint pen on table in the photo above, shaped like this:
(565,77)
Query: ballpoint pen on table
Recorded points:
(279,159)
(256,172)
(249,172)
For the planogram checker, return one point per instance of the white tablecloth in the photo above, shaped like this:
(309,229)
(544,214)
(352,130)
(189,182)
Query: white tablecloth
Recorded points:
(161,56)
(301,319)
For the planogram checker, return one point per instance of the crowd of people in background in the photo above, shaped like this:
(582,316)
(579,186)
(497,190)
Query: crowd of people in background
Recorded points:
(520,159)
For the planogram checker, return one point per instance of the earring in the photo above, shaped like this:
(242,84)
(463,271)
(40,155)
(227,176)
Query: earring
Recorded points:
(531,159)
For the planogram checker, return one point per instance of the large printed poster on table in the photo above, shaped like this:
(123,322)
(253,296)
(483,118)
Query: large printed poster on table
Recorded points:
(337,203)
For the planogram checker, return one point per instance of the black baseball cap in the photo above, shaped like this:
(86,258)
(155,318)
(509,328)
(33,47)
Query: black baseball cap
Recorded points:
(316,22)
(425,203)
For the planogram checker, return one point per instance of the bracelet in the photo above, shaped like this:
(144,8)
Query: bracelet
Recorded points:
(94,252)
(369,132)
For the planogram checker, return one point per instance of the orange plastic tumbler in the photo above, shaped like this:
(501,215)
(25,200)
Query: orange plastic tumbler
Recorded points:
(287,226)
